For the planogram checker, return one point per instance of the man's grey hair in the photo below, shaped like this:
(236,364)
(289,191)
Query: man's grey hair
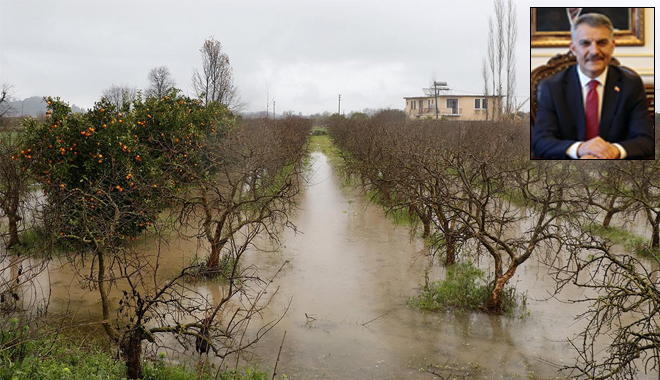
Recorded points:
(594,20)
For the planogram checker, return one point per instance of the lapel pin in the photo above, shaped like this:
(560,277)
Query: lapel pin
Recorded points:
(616,88)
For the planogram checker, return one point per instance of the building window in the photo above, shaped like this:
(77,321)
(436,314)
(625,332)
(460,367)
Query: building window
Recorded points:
(480,104)
(452,104)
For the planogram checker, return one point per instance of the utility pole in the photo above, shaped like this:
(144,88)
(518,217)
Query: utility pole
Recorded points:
(274,114)
(339,107)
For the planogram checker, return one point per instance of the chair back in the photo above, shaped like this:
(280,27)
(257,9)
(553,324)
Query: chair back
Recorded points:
(555,65)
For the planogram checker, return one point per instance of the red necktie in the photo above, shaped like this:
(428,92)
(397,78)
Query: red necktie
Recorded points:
(591,110)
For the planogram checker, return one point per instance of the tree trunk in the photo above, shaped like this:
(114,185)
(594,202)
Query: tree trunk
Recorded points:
(655,227)
(450,242)
(425,217)
(427,228)
(608,218)
(214,258)
(494,304)
(103,293)
(13,229)
(131,351)
(13,218)
(610,211)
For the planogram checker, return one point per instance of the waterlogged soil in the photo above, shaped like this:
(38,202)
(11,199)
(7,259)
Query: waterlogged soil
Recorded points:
(348,274)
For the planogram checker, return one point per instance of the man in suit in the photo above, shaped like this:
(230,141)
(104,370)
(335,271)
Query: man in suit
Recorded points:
(593,110)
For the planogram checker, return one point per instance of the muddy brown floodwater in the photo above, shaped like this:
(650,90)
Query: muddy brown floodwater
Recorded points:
(350,274)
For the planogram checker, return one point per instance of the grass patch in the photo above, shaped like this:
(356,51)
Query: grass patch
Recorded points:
(400,216)
(31,355)
(319,131)
(465,288)
(631,242)
(44,355)
(162,370)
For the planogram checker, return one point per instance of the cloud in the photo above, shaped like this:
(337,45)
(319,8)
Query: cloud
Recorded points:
(314,86)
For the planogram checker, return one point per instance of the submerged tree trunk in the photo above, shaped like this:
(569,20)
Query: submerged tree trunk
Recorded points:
(213,264)
(214,257)
(213,236)
(494,303)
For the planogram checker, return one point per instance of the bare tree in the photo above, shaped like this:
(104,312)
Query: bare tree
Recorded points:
(459,180)
(268,100)
(641,184)
(13,183)
(5,98)
(502,37)
(492,63)
(623,295)
(160,82)
(486,77)
(605,187)
(253,182)
(511,38)
(499,49)
(215,83)
(120,96)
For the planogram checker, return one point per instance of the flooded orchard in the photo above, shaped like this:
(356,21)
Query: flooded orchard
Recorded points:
(350,274)
(347,275)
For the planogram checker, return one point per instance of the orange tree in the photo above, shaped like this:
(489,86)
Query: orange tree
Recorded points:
(106,162)
(106,176)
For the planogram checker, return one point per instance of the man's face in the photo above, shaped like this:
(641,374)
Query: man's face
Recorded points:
(593,48)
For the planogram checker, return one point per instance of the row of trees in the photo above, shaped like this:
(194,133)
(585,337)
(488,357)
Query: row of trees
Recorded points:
(155,167)
(475,193)
(456,181)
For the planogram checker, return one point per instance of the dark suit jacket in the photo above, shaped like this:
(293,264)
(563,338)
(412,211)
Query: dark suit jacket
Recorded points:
(624,118)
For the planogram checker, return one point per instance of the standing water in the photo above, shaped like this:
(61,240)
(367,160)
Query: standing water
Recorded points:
(350,274)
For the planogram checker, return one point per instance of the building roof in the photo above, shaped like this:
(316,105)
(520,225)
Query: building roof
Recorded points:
(450,96)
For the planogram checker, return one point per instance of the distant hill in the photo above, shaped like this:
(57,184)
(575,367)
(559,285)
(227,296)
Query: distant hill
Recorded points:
(34,106)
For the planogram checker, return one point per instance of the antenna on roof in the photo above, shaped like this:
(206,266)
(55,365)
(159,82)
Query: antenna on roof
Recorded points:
(435,90)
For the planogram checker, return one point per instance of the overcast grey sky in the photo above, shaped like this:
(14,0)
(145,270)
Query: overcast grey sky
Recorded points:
(373,52)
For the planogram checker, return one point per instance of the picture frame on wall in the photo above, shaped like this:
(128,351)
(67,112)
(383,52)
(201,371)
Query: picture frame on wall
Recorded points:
(551,27)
